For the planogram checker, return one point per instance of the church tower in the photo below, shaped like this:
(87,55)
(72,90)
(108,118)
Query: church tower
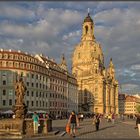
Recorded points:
(88,67)
(88,29)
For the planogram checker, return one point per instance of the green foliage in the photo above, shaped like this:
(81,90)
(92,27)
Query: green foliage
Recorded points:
(138,108)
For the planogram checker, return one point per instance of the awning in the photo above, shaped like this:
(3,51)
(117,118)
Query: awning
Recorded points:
(40,111)
(8,112)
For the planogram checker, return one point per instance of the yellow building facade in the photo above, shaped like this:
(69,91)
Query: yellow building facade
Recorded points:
(98,88)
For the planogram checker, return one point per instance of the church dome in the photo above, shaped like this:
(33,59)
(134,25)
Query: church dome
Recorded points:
(88,18)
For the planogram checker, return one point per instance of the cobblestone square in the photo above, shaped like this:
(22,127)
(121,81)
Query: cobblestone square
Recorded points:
(119,130)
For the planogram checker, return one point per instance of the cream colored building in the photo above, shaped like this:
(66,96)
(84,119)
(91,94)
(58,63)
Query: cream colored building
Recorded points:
(130,104)
(50,87)
(35,75)
(98,88)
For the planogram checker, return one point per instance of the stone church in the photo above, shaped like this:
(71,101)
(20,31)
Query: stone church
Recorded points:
(98,88)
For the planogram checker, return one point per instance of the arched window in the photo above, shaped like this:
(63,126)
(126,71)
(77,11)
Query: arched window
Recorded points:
(86,28)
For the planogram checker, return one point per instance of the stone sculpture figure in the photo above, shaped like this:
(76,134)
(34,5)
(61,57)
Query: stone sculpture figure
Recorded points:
(20,109)
(20,89)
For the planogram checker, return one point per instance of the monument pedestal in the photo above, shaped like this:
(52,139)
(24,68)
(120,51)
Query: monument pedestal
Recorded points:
(11,128)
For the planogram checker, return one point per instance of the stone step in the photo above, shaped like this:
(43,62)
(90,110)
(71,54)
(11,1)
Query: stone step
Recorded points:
(53,133)
(62,133)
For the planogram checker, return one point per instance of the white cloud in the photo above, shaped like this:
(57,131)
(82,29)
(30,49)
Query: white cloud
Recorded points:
(72,34)
(135,67)
(129,87)
(16,12)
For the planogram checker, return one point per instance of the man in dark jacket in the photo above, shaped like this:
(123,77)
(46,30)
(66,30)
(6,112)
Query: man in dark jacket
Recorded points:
(138,122)
(73,120)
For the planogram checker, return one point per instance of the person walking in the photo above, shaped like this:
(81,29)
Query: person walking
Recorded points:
(138,122)
(73,121)
(35,122)
(113,118)
(97,121)
(109,118)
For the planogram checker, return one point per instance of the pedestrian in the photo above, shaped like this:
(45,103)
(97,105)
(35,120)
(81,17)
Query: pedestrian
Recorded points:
(73,121)
(47,116)
(113,118)
(109,118)
(138,123)
(14,116)
(35,122)
(96,121)
(82,117)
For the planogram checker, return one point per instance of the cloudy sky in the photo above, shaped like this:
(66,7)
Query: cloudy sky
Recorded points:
(53,28)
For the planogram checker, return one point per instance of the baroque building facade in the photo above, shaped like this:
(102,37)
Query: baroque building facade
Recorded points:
(98,88)
(50,87)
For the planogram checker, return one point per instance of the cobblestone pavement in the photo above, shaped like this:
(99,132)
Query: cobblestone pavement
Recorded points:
(119,130)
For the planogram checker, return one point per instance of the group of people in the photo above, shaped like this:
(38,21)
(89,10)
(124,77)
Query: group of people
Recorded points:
(36,118)
(73,123)
(111,117)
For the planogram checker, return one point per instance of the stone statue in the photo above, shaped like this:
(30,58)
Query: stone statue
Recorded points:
(20,109)
(20,89)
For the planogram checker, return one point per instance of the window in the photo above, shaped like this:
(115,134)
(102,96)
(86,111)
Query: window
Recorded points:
(4,82)
(10,92)
(4,92)
(27,103)
(36,103)
(27,93)
(4,102)
(37,94)
(32,103)
(32,75)
(37,85)
(86,29)
(36,76)
(32,84)
(27,83)
(32,93)
(10,102)
(28,75)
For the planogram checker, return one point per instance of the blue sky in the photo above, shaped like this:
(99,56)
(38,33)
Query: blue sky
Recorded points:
(53,28)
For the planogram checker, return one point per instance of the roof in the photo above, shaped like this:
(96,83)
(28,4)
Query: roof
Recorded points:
(88,18)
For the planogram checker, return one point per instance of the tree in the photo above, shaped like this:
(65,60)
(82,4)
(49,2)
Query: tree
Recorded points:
(138,108)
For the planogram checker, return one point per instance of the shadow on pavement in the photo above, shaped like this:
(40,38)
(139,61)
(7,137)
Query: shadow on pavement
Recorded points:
(106,127)
(84,133)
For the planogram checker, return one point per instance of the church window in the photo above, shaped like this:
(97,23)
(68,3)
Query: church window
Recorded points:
(96,71)
(85,92)
(86,28)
